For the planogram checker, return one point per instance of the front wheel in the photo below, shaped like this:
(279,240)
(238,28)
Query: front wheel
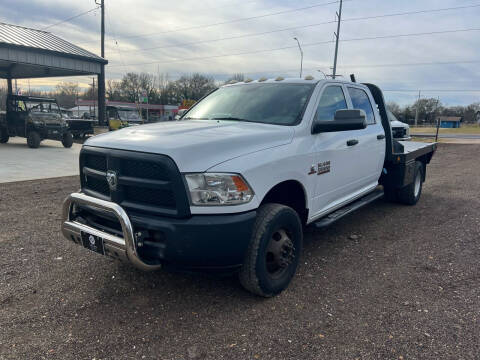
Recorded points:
(67,140)
(4,136)
(274,251)
(33,140)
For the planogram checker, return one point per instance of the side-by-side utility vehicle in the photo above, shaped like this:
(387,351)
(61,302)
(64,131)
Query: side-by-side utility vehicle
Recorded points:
(34,118)
(232,184)
(122,116)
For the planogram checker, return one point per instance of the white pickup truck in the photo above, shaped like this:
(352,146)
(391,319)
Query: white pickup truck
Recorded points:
(231,185)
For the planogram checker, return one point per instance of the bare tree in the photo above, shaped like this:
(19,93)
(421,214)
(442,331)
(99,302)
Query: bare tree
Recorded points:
(66,93)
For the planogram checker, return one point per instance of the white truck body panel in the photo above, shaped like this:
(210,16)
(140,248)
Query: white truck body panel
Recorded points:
(266,155)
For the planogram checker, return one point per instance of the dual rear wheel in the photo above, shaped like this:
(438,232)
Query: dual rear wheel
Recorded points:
(411,193)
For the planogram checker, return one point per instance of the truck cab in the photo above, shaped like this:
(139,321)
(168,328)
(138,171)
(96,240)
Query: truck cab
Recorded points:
(35,118)
(231,185)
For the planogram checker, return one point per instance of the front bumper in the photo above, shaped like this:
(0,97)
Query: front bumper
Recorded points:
(206,242)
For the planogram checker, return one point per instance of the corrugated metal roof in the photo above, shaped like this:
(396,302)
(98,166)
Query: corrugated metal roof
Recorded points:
(37,39)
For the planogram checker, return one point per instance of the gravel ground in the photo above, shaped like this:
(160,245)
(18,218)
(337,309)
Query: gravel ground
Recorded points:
(387,282)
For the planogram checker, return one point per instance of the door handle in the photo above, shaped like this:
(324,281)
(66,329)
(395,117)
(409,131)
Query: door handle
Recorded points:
(380,137)
(352,142)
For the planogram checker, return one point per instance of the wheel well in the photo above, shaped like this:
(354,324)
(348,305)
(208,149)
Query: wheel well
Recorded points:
(289,193)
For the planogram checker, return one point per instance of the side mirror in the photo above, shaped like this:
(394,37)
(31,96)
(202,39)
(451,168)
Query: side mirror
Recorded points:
(344,120)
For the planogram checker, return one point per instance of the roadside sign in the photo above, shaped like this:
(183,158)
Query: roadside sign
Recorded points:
(143,97)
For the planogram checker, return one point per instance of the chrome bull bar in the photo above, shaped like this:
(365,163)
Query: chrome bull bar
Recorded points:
(121,248)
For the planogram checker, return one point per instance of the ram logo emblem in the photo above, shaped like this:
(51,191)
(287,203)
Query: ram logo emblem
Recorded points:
(112,180)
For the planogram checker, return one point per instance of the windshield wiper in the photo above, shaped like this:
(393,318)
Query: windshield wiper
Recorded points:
(231,118)
(194,118)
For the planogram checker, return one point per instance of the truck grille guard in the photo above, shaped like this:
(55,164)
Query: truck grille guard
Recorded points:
(124,249)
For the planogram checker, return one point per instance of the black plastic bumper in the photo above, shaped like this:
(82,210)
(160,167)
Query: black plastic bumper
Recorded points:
(199,242)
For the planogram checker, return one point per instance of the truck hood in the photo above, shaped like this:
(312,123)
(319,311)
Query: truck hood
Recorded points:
(197,145)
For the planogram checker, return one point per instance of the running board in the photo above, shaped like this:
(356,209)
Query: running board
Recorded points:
(340,213)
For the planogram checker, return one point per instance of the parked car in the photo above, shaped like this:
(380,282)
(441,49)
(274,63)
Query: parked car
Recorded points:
(232,186)
(400,130)
(34,118)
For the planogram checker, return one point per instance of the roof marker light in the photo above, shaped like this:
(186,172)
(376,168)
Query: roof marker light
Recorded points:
(248,80)
(309,77)
(262,79)
(279,78)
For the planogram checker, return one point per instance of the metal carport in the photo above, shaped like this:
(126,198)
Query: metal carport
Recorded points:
(27,53)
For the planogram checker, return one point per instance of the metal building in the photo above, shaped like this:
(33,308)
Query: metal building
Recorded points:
(29,53)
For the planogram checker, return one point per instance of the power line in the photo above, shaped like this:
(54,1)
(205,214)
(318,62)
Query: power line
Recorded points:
(228,21)
(71,18)
(348,66)
(298,27)
(412,12)
(231,37)
(305,45)
(234,20)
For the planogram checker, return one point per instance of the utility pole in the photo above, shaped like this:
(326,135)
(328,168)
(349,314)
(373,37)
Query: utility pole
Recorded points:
(438,119)
(337,36)
(93,96)
(102,39)
(416,107)
(101,76)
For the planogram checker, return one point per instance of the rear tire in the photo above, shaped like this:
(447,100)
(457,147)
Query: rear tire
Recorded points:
(4,136)
(67,140)
(33,140)
(274,251)
(410,194)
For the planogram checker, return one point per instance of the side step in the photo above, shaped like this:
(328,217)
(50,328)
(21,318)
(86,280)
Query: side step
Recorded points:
(340,213)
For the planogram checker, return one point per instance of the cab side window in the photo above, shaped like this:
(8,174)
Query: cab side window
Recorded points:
(332,99)
(361,101)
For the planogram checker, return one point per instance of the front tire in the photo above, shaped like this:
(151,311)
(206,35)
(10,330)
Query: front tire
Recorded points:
(33,140)
(274,251)
(4,136)
(67,140)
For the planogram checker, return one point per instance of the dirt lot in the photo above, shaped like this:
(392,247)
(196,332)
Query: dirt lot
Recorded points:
(407,288)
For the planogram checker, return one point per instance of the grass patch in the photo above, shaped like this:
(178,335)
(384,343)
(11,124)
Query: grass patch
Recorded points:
(465,129)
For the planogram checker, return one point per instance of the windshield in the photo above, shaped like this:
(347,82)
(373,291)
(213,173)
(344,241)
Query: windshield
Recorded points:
(40,106)
(280,104)
(129,115)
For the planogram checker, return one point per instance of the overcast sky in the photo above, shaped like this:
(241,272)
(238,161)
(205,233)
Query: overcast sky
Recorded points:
(182,41)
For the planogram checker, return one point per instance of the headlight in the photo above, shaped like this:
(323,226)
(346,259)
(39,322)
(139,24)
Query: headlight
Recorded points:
(218,189)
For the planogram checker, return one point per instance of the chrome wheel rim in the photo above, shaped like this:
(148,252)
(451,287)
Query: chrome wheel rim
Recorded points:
(280,253)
